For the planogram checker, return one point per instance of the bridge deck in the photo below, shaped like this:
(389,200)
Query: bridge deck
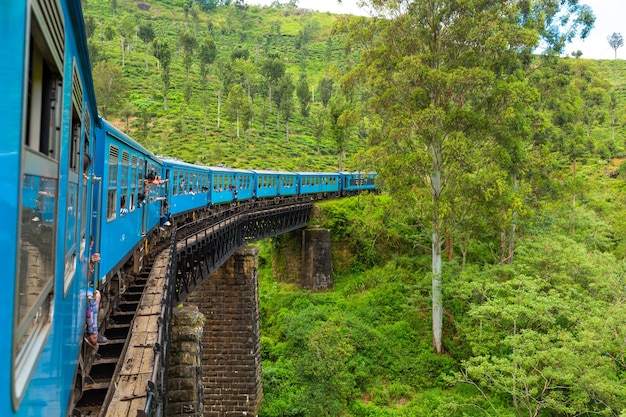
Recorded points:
(136,368)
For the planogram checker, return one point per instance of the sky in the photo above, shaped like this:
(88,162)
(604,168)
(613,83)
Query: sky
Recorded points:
(610,18)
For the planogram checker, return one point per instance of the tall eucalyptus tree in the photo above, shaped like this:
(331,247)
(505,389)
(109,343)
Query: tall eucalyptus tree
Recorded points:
(433,68)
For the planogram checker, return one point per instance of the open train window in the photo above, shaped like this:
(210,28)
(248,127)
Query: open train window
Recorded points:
(124,183)
(39,193)
(112,186)
(133,182)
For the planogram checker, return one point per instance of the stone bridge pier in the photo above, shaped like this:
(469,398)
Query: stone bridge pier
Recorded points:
(229,341)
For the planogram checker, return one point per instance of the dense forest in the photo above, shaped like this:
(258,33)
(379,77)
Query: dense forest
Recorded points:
(488,278)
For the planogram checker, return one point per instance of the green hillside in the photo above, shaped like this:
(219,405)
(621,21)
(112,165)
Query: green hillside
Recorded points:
(187,129)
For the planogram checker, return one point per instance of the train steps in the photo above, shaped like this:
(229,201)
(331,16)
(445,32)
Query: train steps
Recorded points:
(106,361)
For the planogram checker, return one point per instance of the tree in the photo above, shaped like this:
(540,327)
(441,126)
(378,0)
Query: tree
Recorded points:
(431,75)
(615,41)
(273,68)
(542,336)
(163,54)
(110,87)
(239,107)
(146,34)
(303,96)
(325,90)
(206,55)
(284,100)
(188,42)
(90,26)
(225,77)
(126,28)
(342,119)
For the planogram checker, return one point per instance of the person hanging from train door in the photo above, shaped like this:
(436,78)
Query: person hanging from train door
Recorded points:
(93,337)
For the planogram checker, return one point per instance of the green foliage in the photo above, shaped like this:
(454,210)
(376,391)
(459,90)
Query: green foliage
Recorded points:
(172,56)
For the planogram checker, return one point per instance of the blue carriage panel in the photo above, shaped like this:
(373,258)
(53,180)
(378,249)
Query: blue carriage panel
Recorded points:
(187,186)
(48,124)
(329,182)
(288,184)
(266,183)
(226,185)
(310,182)
(271,184)
(357,181)
(124,166)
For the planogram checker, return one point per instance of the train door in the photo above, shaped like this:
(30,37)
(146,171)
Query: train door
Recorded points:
(143,199)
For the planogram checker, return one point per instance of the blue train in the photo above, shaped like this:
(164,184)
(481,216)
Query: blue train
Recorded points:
(69,175)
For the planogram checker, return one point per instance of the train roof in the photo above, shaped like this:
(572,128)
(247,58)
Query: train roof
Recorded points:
(229,169)
(177,162)
(123,137)
(272,172)
(317,173)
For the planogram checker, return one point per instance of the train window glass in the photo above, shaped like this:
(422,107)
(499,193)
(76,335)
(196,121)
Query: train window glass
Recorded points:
(140,169)
(133,182)
(111,204)
(124,183)
(70,233)
(74,141)
(113,161)
(125,167)
(112,186)
(35,266)
(45,92)
(176,183)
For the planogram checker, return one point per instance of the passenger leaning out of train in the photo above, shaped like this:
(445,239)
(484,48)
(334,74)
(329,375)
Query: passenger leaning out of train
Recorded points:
(123,208)
(93,337)
(151,180)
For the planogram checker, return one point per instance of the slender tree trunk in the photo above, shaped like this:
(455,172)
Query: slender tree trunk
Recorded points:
(123,51)
(503,246)
(436,187)
(164,96)
(146,57)
(237,125)
(287,130)
(513,225)
(449,246)
(270,98)
(219,106)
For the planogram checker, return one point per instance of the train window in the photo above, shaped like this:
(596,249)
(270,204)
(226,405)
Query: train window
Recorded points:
(140,170)
(113,162)
(112,187)
(124,183)
(133,182)
(125,168)
(70,233)
(175,184)
(45,92)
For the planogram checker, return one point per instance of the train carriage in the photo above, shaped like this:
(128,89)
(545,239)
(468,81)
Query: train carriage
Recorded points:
(322,183)
(353,183)
(229,185)
(275,183)
(49,118)
(187,186)
(129,207)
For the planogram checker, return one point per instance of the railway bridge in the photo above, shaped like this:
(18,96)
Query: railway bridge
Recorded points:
(179,272)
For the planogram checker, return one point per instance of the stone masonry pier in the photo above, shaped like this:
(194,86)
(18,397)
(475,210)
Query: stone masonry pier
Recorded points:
(231,347)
